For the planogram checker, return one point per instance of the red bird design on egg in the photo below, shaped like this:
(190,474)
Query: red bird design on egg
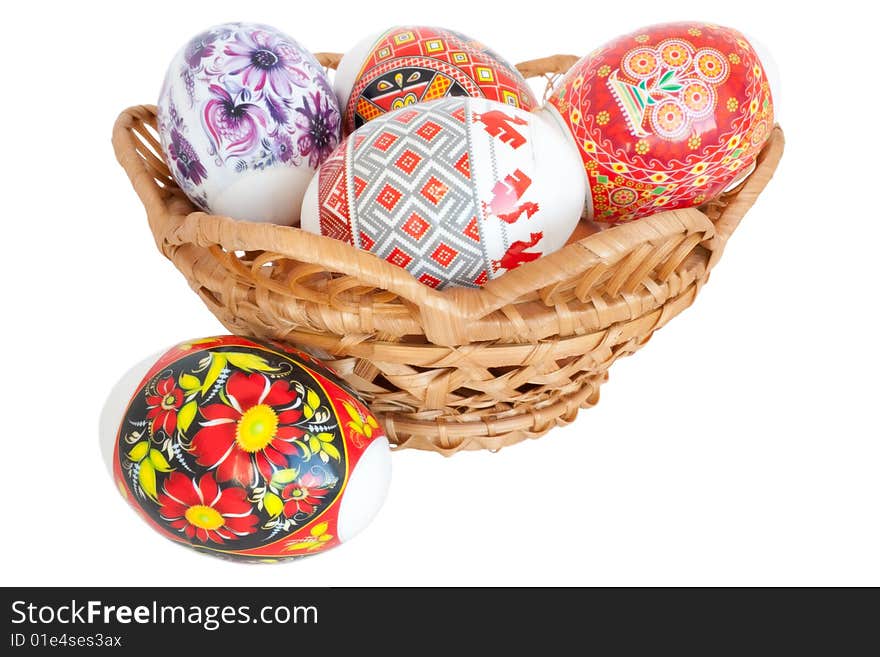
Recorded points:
(457,191)
(517,255)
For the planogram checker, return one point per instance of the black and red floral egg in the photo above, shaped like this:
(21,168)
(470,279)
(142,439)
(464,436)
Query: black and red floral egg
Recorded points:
(246,449)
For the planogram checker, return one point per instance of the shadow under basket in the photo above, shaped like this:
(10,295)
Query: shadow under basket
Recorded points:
(454,369)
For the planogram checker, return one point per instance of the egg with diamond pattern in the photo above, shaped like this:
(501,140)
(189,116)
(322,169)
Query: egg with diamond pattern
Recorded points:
(457,191)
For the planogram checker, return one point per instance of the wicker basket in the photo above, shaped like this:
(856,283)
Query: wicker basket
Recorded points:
(454,369)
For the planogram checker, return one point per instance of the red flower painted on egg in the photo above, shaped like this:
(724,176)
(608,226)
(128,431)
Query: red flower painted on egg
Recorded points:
(250,431)
(204,511)
(303,495)
(163,407)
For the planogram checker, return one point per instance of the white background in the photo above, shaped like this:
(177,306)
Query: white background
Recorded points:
(739,447)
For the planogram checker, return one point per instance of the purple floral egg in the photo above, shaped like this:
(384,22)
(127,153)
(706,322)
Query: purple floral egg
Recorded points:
(245,116)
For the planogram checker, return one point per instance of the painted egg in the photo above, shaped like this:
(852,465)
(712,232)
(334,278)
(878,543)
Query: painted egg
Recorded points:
(245,449)
(666,117)
(456,191)
(406,65)
(245,116)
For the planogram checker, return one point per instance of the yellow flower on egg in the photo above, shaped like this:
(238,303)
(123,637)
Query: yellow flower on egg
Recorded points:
(363,426)
(319,536)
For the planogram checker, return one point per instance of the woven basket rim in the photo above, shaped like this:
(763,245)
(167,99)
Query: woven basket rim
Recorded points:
(179,223)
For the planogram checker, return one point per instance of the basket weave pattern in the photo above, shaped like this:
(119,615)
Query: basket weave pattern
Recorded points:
(454,369)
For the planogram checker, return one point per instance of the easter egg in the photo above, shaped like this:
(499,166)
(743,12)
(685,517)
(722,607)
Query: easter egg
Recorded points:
(412,64)
(666,117)
(457,191)
(245,449)
(245,116)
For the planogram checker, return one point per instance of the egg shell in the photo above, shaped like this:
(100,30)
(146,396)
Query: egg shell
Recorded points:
(191,414)
(245,117)
(456,191)
(410,64)
(665,117)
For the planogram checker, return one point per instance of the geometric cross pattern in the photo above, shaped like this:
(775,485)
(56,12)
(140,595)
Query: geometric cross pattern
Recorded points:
(333,194)
(416,205)
(408,192)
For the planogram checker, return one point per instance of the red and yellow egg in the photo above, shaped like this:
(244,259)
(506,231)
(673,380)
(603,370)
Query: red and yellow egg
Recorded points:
(665,117)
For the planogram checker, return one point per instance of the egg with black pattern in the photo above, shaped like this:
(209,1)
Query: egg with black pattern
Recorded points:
(245,449)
